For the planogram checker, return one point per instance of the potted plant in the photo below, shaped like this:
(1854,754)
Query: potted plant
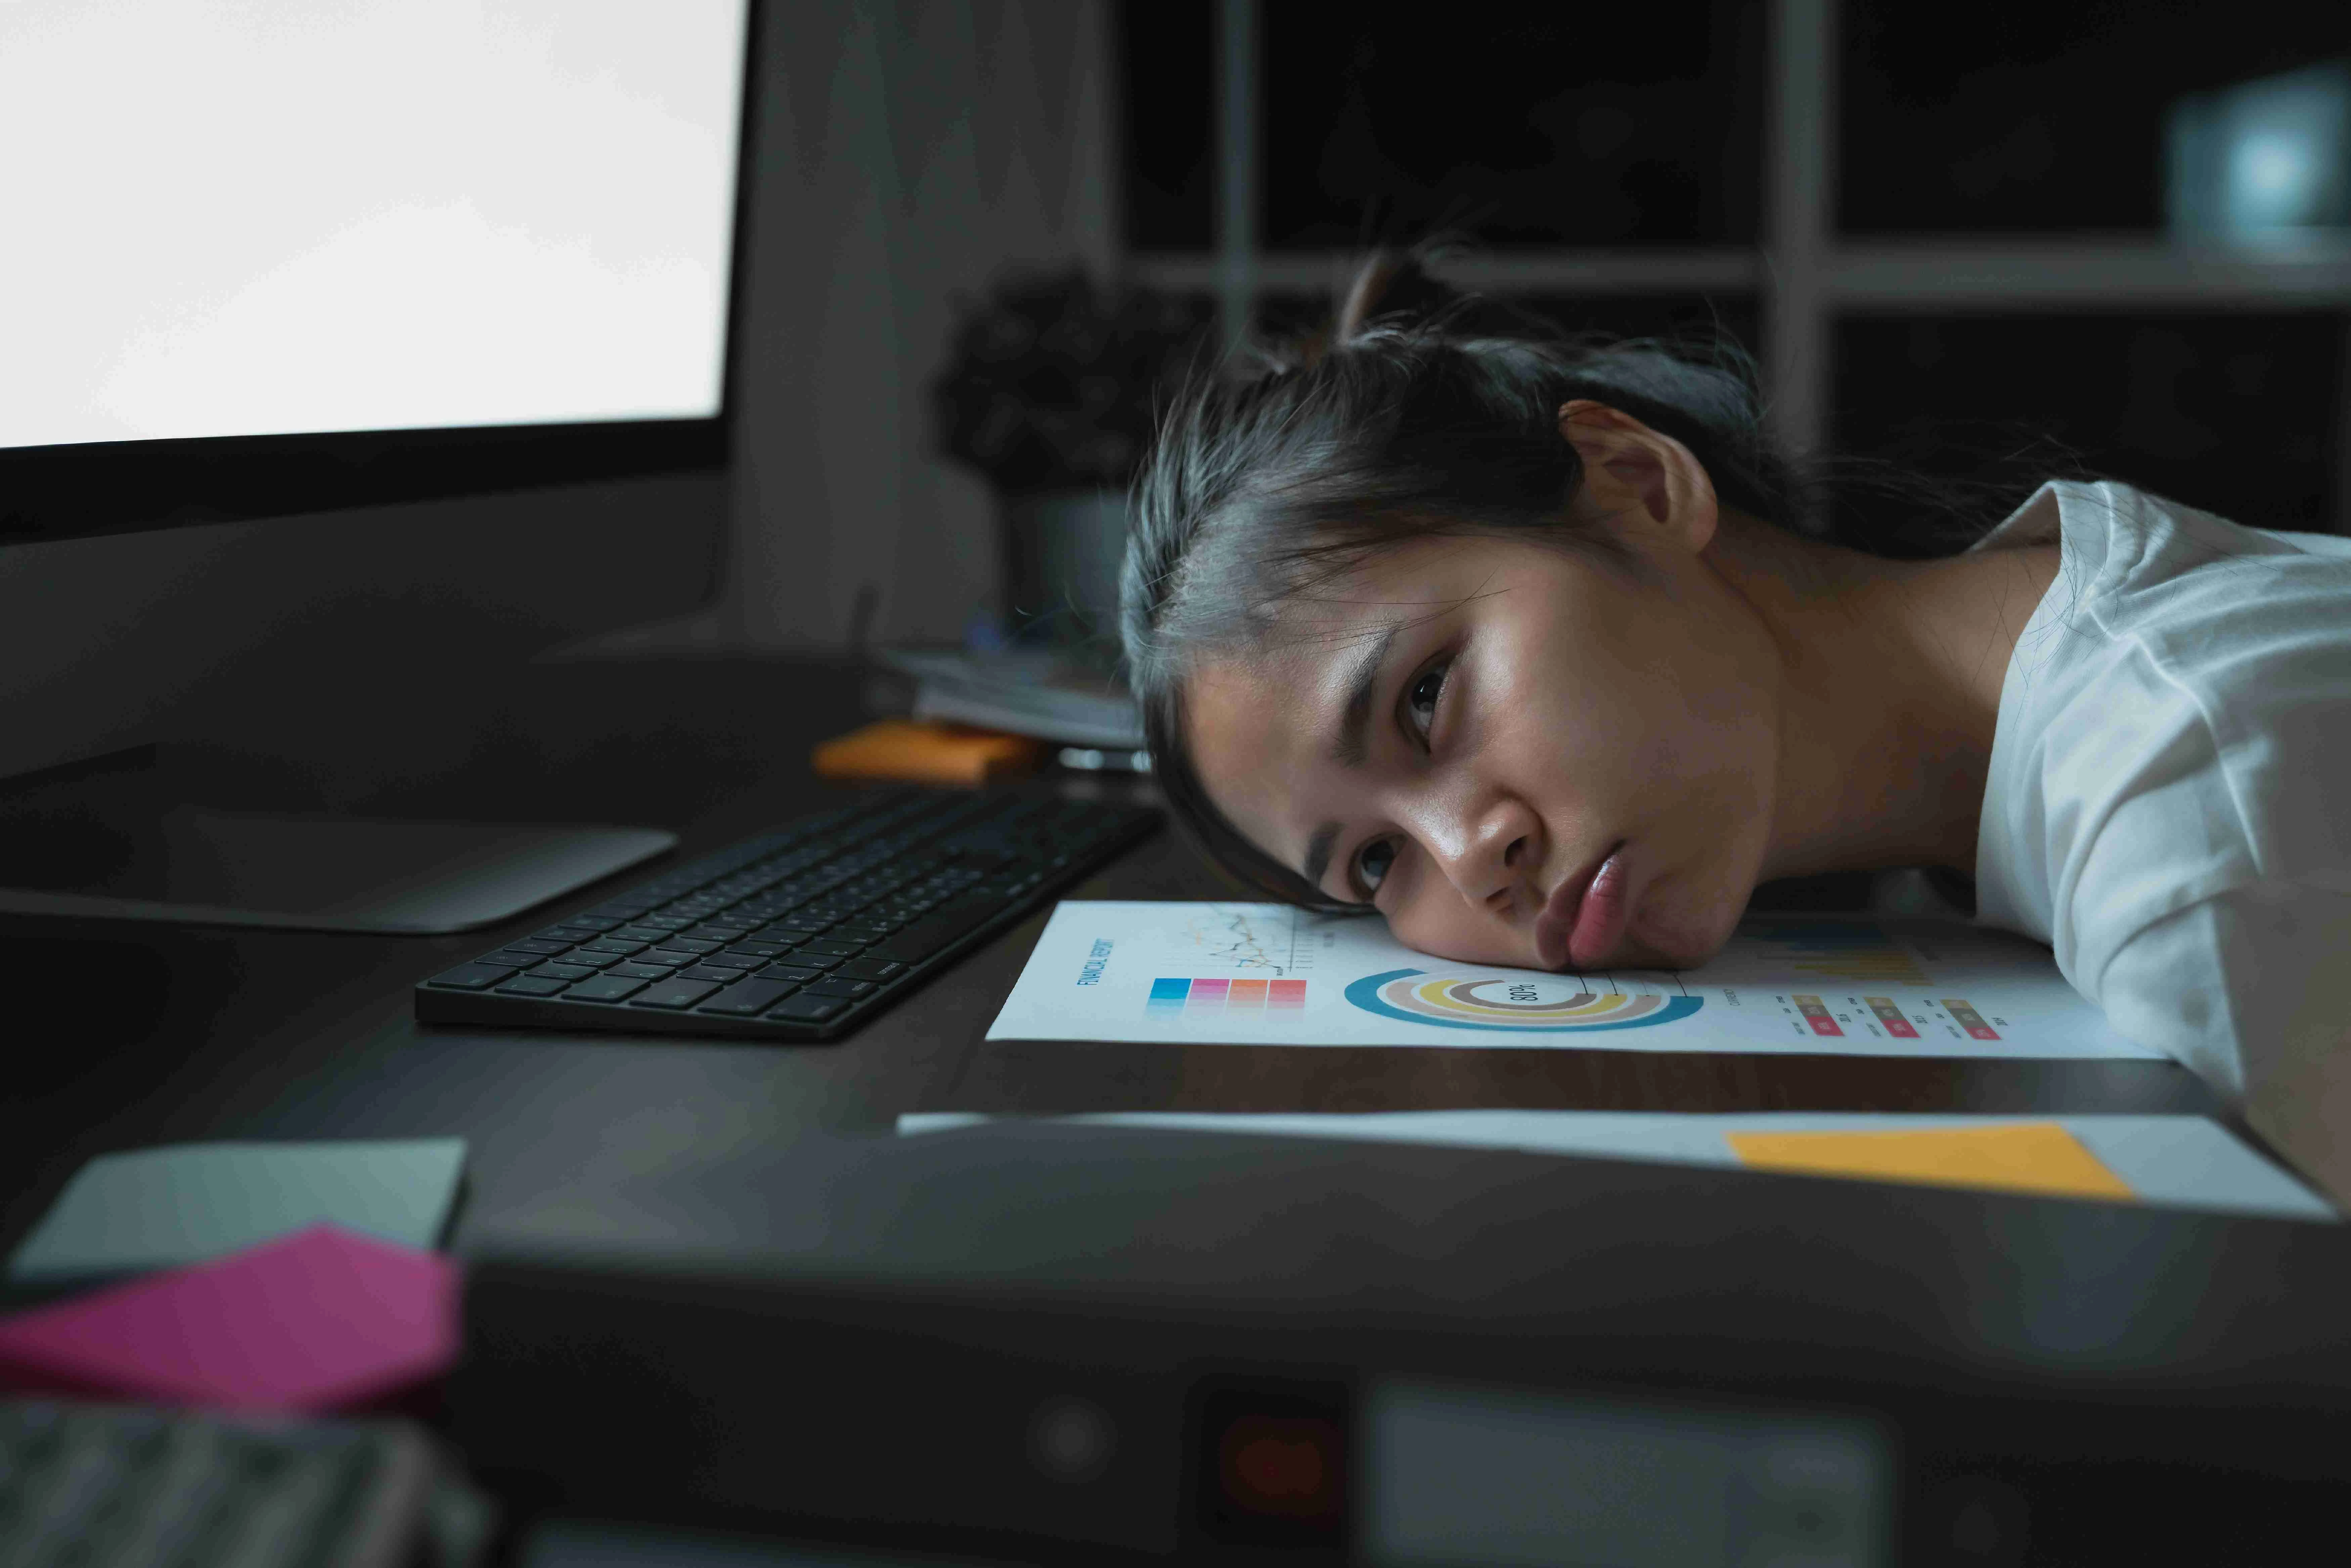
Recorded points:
(1047,391)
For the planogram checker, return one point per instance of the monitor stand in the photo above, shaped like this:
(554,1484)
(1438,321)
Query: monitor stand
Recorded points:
(92,851)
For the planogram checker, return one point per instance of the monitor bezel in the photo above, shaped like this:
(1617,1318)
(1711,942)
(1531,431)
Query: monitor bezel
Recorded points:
(82,489)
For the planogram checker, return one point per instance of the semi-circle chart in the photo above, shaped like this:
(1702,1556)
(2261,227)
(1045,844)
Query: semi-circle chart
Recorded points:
(1551,1002)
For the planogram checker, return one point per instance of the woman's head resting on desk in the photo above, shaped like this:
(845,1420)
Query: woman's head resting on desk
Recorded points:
(1513,638)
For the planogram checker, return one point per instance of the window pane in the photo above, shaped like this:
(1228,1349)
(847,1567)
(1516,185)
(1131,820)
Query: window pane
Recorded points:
(1553,125)
(1166,64)
(2018,116)
(2235,413)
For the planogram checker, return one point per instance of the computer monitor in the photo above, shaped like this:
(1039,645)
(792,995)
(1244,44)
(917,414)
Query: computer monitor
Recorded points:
(308,306)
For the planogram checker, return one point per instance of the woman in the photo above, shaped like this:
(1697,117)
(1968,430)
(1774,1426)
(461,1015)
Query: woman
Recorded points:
(1520,643)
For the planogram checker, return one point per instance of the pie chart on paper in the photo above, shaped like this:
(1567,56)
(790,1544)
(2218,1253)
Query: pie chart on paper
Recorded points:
(1514,1001)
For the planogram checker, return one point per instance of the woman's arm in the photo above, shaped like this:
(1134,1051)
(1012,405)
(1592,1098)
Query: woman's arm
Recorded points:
(2252,989)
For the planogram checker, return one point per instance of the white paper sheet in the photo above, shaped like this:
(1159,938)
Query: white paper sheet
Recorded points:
(1267,973)
(2171,1162)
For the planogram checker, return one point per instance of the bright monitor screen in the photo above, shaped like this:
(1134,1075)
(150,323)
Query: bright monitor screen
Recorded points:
(279,217)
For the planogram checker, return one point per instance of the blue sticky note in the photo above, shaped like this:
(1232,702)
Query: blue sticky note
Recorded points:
(159,1208)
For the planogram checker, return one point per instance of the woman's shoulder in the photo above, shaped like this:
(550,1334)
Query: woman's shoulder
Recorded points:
(2119,541)
(2173,723)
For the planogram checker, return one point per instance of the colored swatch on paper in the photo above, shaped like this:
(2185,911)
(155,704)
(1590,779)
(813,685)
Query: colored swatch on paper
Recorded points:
(1968,1019)
(1816,1014)
(1858,951)
(1194,997)
(1889,1017)
(2026,1156)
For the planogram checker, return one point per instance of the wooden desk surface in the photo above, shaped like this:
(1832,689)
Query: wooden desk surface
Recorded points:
(160,1034)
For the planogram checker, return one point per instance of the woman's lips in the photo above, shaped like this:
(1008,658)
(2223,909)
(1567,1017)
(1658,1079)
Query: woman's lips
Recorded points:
(1601,918)
(1566,927)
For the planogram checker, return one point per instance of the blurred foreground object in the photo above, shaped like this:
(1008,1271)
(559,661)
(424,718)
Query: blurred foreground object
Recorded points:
(112,1487)
(322,1319)
(2264,164)
(925,752)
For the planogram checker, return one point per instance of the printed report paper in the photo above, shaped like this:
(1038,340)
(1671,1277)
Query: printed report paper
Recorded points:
(2169,1161)
(1266,974)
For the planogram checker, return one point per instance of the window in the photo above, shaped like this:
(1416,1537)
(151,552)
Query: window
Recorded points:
(1923,223)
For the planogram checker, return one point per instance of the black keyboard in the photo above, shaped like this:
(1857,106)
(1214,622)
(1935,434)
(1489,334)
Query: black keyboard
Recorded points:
(799,933)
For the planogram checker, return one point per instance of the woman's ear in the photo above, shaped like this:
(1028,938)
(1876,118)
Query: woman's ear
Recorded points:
(1636,479)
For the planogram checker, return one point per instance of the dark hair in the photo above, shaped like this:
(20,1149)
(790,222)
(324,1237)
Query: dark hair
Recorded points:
(1418,411)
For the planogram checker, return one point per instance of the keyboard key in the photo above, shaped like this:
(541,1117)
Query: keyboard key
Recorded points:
(673,994)
(761,950)
(870,969)
(475,976)
(873,928)
(615,944)
(801,961)
(806,1009)
(543,948)
(630,969)
(641,934)
(587,960)
(835,945)
(556,969)
(832,985)
(696,945)
(532,986)
(746,1000)
(723,930)
(515,958)
(588,925)
(663,922)
(796,974)
(704,972)
(936,931)
(603,988)
(735,960)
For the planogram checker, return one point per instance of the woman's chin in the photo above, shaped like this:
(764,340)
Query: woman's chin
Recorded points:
(1673,939)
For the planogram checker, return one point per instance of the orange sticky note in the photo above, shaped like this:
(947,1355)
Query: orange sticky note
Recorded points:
(2017,1156)
(925,752)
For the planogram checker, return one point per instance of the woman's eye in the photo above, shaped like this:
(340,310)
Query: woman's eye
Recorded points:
(1420,702)
(1372,863)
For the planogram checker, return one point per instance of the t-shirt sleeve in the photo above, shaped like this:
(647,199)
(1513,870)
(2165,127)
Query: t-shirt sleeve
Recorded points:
(2251,989)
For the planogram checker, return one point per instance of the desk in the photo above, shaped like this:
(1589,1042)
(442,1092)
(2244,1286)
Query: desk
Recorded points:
(286,1035)
(219,1034)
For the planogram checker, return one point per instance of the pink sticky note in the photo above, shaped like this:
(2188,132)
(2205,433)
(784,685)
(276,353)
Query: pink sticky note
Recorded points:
(322,1319)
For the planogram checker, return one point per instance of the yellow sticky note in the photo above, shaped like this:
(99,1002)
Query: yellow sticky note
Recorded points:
(2017,1156)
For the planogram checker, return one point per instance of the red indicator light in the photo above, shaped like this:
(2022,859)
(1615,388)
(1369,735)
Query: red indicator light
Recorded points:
(1286,1467)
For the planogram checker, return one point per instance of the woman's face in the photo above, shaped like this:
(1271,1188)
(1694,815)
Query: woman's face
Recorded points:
(1519,752)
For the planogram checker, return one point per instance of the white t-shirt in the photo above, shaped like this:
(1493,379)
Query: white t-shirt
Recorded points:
(2169,799)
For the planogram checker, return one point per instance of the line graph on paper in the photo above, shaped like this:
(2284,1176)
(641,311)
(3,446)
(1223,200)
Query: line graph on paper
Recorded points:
(1269,942)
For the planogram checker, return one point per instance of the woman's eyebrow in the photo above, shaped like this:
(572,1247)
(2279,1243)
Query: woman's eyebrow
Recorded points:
(1318,852)
(1362,684)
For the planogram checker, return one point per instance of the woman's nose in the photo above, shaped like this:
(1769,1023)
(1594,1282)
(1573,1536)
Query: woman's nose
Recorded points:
(1490,847)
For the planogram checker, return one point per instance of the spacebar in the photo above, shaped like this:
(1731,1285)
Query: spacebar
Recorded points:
(941,928)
